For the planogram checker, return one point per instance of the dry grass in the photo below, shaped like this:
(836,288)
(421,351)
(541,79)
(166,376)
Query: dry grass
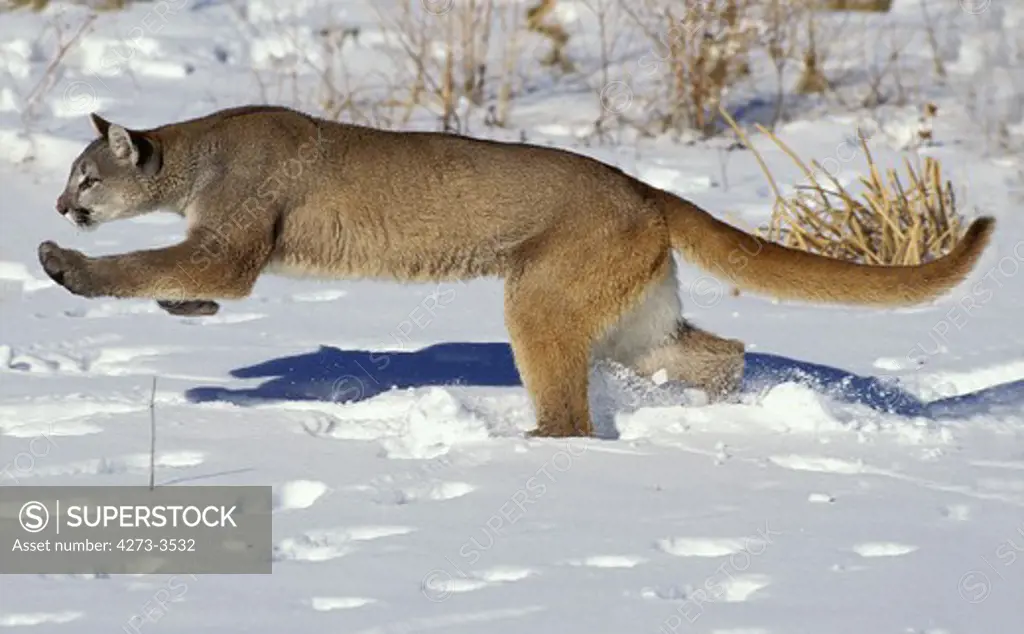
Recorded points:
(894,221)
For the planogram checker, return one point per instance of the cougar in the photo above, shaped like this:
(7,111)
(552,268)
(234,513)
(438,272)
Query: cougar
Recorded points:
(585,250)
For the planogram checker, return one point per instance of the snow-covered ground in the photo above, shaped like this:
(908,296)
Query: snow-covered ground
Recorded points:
(871,482)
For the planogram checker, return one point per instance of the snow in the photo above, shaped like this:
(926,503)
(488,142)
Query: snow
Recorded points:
(870,480)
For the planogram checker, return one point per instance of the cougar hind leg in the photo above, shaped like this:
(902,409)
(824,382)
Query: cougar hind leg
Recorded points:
(558,301)
(653,337)
(699,359)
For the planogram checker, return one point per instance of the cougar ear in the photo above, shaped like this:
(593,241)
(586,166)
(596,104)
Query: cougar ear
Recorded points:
(121,144)
(135,148)
(99,124)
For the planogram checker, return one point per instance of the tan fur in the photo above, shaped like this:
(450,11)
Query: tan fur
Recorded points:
(584,248)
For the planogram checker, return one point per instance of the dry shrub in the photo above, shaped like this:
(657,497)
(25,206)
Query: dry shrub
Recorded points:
(701,48)
(872,6)
(58,38)
(340,95)
(311,67)
(856,56)
(893,221)
(540,20)
(812,77)
(782,22)
(460,60)
(40,5)
(33,5)
(456,62)
(452,55)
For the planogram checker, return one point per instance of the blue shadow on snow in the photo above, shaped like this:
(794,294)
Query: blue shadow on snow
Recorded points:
(335,375)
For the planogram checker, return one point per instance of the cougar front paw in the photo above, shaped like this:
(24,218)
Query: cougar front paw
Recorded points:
(68,268)
(189,308)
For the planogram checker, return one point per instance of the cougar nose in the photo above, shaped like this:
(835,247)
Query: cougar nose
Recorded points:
(63,204)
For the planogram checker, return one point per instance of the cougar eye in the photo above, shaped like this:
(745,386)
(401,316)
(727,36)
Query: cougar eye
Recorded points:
(87,182)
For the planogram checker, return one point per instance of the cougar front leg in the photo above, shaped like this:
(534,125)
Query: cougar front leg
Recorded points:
(181,275)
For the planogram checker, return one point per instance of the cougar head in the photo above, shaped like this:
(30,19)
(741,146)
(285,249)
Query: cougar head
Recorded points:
(116,176)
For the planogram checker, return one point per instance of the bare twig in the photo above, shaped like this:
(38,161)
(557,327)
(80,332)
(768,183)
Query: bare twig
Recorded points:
(51,75)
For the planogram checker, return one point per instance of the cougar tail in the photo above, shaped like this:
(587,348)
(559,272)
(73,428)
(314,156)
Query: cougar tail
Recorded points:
(764,267)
